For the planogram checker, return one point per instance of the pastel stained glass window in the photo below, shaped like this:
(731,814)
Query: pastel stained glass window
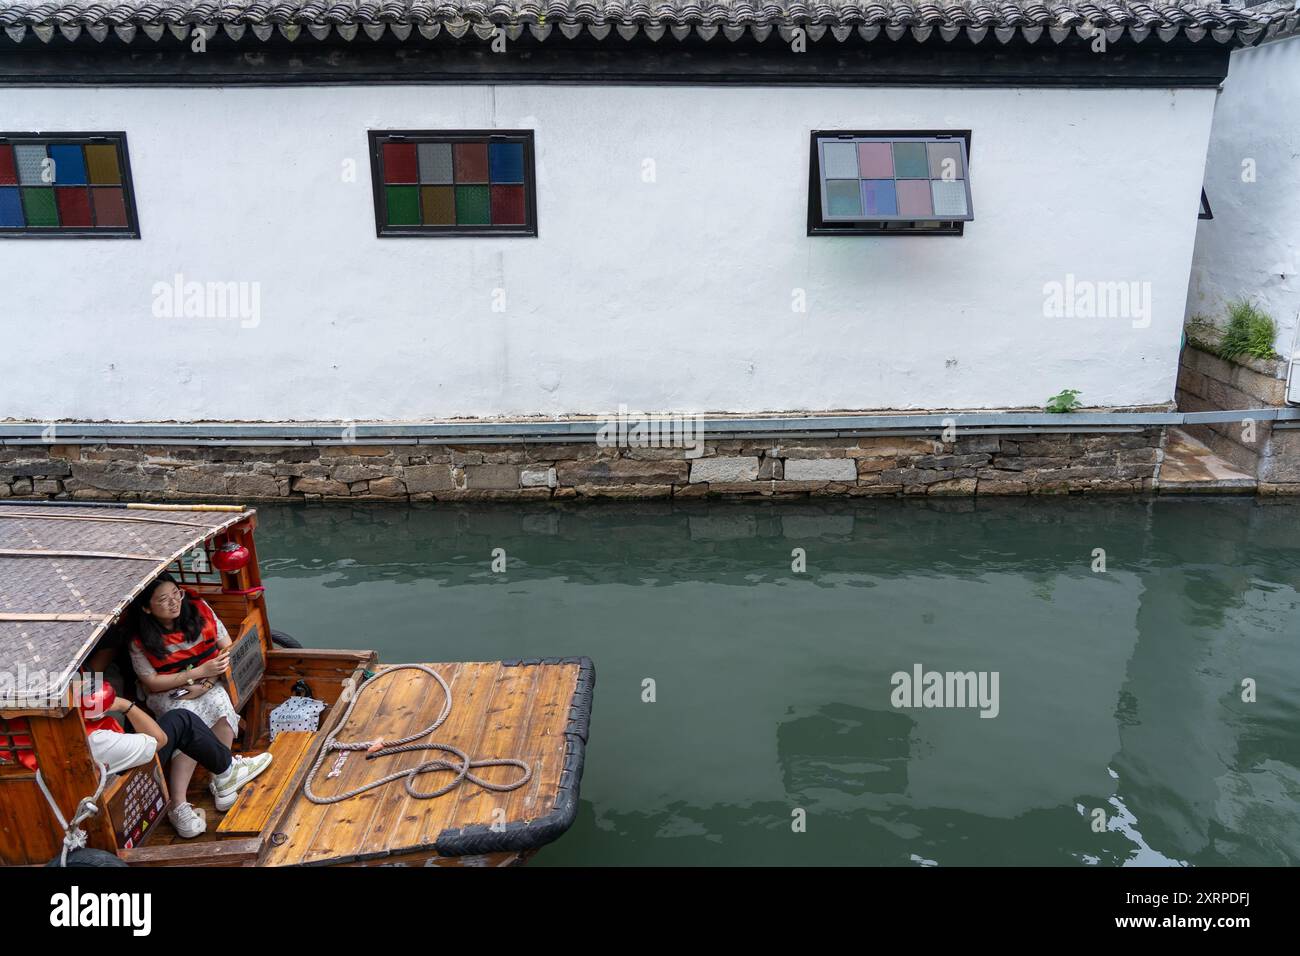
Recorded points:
(889,184)
(459,183)
(53,185)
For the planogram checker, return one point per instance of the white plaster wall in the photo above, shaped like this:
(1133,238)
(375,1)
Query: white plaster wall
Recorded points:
(1251,248)
(671,295)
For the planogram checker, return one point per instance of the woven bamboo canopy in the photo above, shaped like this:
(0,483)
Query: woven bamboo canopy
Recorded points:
(66,573)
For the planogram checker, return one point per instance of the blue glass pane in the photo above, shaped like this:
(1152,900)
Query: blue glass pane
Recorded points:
(11,208)
(506,162)
(879,198)
(69,165)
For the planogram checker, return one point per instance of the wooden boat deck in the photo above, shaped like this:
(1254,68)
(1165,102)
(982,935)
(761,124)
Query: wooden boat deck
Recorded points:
(535,711)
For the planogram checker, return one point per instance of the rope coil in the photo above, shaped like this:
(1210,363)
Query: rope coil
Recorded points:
(381,748)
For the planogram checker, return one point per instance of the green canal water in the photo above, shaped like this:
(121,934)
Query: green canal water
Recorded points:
(1119,691)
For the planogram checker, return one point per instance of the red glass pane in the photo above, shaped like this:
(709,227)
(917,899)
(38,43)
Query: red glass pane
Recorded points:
(74,206)
(400,164)
(110,208)
(507,205)
(8,176)
(471,162)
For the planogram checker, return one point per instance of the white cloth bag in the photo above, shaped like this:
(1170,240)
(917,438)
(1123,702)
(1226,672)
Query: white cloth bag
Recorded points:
(297,713)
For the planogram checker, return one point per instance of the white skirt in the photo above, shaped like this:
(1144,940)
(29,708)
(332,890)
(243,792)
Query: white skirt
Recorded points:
(212,707)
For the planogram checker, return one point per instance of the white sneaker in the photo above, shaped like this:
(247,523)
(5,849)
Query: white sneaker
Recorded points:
(188,821)
(225,788)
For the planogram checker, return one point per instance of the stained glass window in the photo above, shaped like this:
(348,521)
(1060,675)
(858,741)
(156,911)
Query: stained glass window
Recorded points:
(873,183)
(66,185)
(454,183)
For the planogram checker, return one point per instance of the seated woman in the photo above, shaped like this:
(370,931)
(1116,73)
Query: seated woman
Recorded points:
(179,651)
(177,734)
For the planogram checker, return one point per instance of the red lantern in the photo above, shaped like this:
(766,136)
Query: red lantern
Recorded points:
(230,557)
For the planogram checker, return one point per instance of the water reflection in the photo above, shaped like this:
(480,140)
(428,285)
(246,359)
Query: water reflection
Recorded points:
(1120,691)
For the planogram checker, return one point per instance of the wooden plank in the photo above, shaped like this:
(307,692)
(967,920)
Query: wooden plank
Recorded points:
(238,852)
(256,800)
(545,743)
(301,823)
(394,809)
(306,657)
(471,696)
(501,738)
(433,816)
(29,833)
(409,705)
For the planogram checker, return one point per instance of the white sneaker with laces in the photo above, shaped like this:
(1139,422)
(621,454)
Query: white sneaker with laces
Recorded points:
(225,788)
(188,821)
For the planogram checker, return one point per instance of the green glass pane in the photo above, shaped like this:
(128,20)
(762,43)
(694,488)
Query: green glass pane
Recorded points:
(41,210)
(473,206)
(843,198)
(910,161)
(403,205)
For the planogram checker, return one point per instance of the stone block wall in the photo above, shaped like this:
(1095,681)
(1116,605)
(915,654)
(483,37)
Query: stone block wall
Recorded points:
(881,466)
(1207,382)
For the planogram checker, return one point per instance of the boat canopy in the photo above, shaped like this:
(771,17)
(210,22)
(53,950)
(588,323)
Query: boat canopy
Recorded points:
(66,573)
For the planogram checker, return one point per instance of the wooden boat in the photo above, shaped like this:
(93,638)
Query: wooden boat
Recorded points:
(68,573)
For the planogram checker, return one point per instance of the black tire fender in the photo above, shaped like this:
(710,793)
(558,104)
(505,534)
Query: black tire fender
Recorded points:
(89,857)
(281,639)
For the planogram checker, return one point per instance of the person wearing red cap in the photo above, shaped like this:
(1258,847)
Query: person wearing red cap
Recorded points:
(177,731)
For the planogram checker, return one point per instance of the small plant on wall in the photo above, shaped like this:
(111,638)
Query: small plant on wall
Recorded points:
(1066,400)
(1250,332)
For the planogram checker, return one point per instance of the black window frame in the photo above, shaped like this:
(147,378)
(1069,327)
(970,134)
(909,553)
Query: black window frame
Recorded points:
(378,137)
(80,138)
(817,226)
(1205,212)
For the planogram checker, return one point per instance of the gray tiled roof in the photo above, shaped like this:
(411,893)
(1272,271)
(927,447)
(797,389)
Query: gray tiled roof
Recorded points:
(936,20)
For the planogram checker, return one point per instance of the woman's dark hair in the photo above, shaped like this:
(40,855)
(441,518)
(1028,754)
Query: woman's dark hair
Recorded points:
(151,634)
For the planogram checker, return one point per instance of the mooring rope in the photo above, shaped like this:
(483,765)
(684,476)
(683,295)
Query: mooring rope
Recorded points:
(382,748)
(74,838)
